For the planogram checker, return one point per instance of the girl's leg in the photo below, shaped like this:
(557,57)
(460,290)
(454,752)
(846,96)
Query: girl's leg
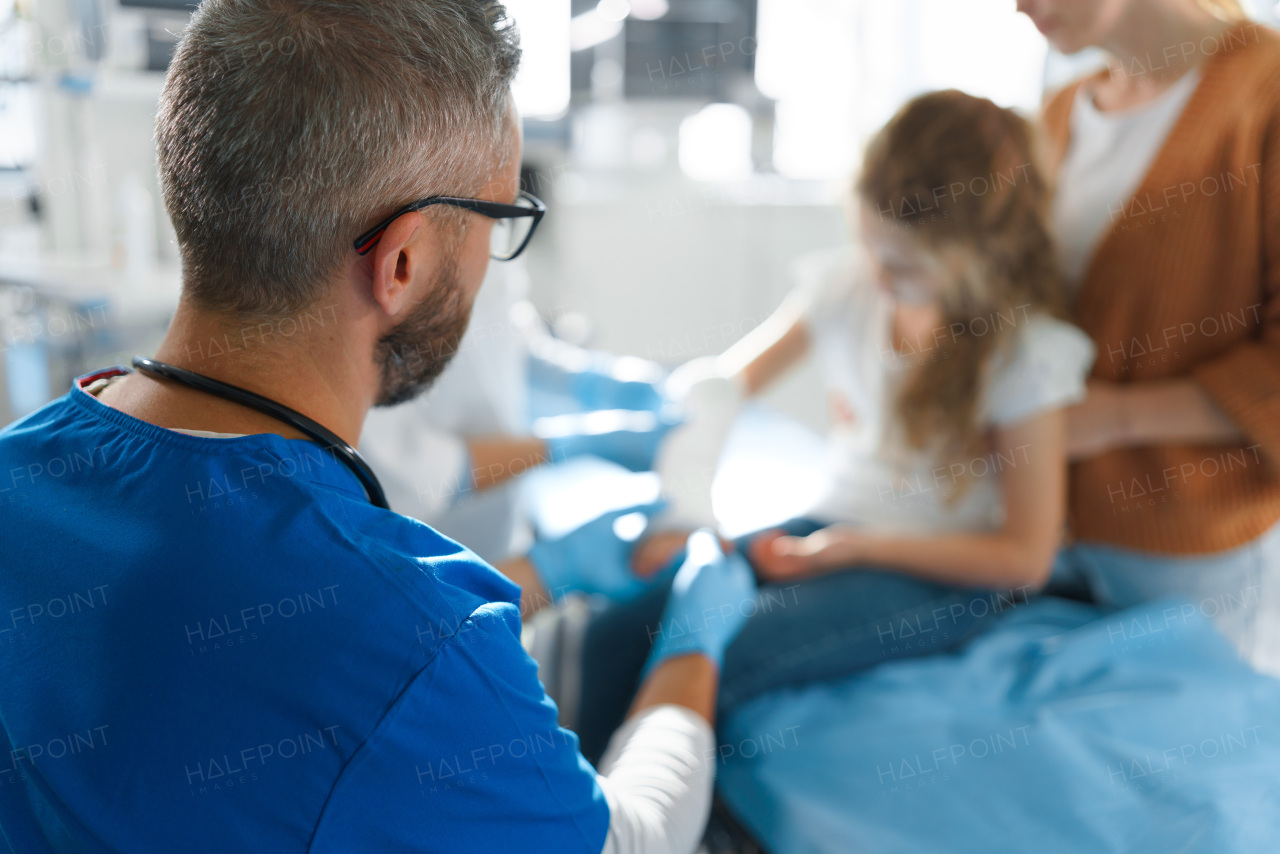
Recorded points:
(817,629)
(843,622)
(614,651)
(1067,580)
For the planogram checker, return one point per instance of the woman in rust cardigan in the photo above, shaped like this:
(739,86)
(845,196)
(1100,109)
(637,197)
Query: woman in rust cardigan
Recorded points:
(1168,220)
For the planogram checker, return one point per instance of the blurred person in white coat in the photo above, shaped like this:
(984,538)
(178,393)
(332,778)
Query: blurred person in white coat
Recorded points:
(453,456)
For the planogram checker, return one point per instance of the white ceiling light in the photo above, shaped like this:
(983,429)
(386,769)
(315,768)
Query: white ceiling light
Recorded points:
(542,88)
(649,10)
(613,10)
(590,29)
(715,143)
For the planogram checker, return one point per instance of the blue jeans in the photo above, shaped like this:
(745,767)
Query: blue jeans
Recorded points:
(1238,589)
(805,631)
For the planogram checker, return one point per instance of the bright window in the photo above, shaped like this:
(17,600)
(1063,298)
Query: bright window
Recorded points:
(542,88)
(839,70)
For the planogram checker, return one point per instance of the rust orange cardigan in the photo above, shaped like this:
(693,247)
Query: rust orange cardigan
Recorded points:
(1186,283)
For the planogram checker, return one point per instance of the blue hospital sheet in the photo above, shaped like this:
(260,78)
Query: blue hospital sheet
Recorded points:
(1064,729)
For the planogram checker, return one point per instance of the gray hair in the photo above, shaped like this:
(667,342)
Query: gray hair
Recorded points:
(288,127)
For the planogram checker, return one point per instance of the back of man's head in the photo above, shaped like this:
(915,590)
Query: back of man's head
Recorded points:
(288,127)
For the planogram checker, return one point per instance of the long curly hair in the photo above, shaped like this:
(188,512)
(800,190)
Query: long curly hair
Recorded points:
(960,174)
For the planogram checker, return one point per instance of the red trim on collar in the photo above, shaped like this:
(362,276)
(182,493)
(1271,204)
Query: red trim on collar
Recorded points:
(90,379)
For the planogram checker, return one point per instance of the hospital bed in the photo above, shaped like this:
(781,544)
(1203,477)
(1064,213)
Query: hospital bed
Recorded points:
(1064,729)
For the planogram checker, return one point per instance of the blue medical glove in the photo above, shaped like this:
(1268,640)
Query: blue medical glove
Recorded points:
(595,380)
(596,558)
(630,439)
(619,387)
(712,596)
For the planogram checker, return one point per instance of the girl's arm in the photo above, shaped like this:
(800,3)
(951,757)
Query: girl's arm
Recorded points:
(768,351)
(1020,554)
(710,392)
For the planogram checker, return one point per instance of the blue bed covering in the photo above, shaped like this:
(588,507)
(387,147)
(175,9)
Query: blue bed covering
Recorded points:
(1063,730)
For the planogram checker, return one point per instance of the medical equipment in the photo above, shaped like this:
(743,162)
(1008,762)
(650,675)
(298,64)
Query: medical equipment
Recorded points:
(334,443)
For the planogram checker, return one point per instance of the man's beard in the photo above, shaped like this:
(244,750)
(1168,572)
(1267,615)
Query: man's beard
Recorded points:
(411,356)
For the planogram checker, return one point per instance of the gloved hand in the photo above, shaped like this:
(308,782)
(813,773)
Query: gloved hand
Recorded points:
(630,439)
(594,558)
(595,380)
(708,604)
(623,383)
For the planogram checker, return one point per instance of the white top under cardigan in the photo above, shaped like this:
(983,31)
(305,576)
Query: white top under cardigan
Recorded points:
(1108,156)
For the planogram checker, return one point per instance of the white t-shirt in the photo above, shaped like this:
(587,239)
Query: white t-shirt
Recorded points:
(1108,156)
(875,478)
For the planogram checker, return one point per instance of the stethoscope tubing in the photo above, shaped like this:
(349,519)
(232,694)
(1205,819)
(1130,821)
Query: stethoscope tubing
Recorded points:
(314,430)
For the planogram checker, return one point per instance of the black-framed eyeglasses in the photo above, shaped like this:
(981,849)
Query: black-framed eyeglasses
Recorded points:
(512,230)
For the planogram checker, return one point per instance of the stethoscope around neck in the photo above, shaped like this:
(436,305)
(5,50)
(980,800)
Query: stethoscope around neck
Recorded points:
(317,432)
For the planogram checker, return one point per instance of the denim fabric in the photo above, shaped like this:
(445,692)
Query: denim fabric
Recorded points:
(799,632)
(1233,588)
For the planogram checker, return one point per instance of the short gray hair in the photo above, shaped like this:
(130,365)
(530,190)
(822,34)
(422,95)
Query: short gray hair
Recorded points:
(288,127)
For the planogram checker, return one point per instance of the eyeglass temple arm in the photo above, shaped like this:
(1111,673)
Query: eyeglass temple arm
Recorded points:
(493,210)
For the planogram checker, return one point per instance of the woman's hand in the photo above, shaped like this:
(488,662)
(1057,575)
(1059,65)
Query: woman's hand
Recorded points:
(1100,423)
(1149,413)
(778,557)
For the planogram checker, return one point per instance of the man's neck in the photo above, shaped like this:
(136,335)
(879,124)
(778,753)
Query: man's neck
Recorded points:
(302,362)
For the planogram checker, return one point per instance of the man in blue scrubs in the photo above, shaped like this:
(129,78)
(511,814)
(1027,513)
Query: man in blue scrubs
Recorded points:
(210,639)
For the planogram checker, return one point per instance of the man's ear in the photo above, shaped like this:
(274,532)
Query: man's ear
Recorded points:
(406,250)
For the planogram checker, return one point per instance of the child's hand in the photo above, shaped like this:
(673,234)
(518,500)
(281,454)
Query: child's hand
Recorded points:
(655,552)
(770,563)
(778,557)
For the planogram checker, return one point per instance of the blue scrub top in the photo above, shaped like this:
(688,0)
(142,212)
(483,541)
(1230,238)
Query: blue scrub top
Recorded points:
(220,645)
